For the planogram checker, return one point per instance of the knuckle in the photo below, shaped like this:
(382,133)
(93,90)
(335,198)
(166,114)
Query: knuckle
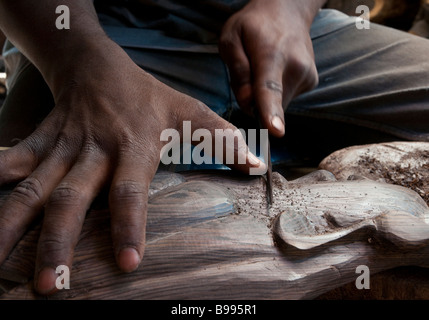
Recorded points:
(8,174)
(230,31)
(34,145)
(91,146)
(226,42)
(302,67)
(200,106)
(305,71)
(299,66)
(28,192)
(53,242)
(193,110)
(57,235)
(310,77)
(128,230)
(65,146)
(136,146)
(127,141)
(64,194)
(129,191)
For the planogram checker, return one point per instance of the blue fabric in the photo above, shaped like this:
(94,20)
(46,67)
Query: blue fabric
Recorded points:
(188,60)
(368,79)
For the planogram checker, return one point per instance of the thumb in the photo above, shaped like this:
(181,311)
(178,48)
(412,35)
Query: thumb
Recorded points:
(270,94)
(220,141)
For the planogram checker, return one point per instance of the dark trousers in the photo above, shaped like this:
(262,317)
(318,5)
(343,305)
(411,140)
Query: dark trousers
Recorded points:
(373,87)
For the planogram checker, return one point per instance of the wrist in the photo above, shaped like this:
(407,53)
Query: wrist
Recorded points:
(295,10)
(77,60)
(306,12)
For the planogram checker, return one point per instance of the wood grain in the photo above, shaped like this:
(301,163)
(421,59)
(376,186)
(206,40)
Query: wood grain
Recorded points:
(210,238)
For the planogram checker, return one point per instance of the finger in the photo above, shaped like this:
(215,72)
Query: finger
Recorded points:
(128,206)
(269,91)
(228,144)
(303,77)
(64,216)
(234,56)
(16,163)
(26,201)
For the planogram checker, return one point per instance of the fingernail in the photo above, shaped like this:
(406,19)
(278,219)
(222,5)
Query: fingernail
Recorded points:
(278,124)
(128,259)
(46,281)
(253,159)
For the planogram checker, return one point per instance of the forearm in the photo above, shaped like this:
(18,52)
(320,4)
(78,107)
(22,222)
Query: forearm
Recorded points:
(30,26)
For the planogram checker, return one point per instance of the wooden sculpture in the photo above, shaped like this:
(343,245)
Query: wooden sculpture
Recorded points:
(209,236)
(401,163)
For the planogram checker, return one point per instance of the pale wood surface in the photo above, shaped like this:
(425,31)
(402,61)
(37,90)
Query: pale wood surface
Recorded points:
(402,163)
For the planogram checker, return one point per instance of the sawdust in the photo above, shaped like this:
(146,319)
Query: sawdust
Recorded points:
(414,176)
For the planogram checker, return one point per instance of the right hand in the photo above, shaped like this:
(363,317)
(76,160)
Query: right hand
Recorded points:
(269,53)
(104,130)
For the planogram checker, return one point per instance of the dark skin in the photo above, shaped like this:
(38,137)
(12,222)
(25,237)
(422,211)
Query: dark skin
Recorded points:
(107,133)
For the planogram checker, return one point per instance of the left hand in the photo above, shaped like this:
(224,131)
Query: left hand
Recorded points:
(269,53)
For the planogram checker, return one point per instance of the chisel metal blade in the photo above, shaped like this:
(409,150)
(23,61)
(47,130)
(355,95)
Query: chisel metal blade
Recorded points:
(269,177)
(269,173)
